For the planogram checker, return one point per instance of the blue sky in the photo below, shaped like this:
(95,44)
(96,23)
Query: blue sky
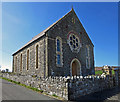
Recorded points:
(22,21)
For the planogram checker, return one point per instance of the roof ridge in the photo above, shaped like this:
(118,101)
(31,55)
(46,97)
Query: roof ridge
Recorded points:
(42,33)
(55,22)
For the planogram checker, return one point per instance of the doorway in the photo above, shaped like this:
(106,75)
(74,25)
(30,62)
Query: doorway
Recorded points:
(75,67)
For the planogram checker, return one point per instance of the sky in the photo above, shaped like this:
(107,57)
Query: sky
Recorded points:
(21,21)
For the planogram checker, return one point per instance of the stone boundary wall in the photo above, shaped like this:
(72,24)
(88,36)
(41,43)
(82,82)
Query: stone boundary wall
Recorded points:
(84,86)
(69,88)
(50,85)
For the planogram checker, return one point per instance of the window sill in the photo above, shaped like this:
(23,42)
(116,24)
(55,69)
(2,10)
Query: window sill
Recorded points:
(59,65)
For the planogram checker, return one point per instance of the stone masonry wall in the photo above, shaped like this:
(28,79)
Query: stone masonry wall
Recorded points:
(62,29)
(84,86)
(69,88)
(55,85)
(40,71)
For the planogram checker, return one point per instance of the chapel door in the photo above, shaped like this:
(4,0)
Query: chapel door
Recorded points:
(74,68)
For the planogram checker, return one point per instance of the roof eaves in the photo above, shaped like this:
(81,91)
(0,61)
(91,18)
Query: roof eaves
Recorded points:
(27,44)
(41,33)
(83,28)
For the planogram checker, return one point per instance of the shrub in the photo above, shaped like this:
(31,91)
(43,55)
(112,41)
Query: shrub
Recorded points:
(54,95)
(41,91)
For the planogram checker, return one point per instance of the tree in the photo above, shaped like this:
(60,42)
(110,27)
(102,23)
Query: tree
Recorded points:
(7,70)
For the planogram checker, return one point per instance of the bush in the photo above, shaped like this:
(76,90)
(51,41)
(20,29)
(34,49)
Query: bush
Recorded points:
(41,91)
(54,95)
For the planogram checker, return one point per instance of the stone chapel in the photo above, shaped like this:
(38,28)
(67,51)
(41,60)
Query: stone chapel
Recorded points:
(63,49)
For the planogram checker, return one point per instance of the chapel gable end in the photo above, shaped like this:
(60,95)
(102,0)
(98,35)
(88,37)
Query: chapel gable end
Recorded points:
(69,22)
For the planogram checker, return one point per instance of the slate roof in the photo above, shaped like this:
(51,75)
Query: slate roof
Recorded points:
(44,31)
(40,34)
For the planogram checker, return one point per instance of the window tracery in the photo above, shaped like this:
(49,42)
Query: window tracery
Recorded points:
(74,42)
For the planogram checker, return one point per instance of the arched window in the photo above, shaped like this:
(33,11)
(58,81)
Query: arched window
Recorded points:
(58,45)
(15,64)
(27,59)
(87,57)
(37,56)
(21,62)
(59,62)
(87,48)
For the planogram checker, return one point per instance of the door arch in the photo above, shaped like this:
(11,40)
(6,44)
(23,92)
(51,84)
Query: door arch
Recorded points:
(75,67)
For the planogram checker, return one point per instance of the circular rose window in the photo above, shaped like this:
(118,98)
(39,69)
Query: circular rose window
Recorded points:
(74,42)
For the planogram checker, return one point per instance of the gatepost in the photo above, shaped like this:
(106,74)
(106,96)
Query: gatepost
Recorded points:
(119,76)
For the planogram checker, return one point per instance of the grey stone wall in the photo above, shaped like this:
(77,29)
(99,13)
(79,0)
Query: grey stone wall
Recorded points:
(50,85)
(84,86)
(69,88)
(40,71)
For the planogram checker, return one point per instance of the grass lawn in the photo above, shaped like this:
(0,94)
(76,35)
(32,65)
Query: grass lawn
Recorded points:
(99,72)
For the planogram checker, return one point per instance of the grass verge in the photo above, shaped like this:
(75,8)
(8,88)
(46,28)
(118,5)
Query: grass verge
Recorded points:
(34,89)
(54,95)
(99,72)
(18,83)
